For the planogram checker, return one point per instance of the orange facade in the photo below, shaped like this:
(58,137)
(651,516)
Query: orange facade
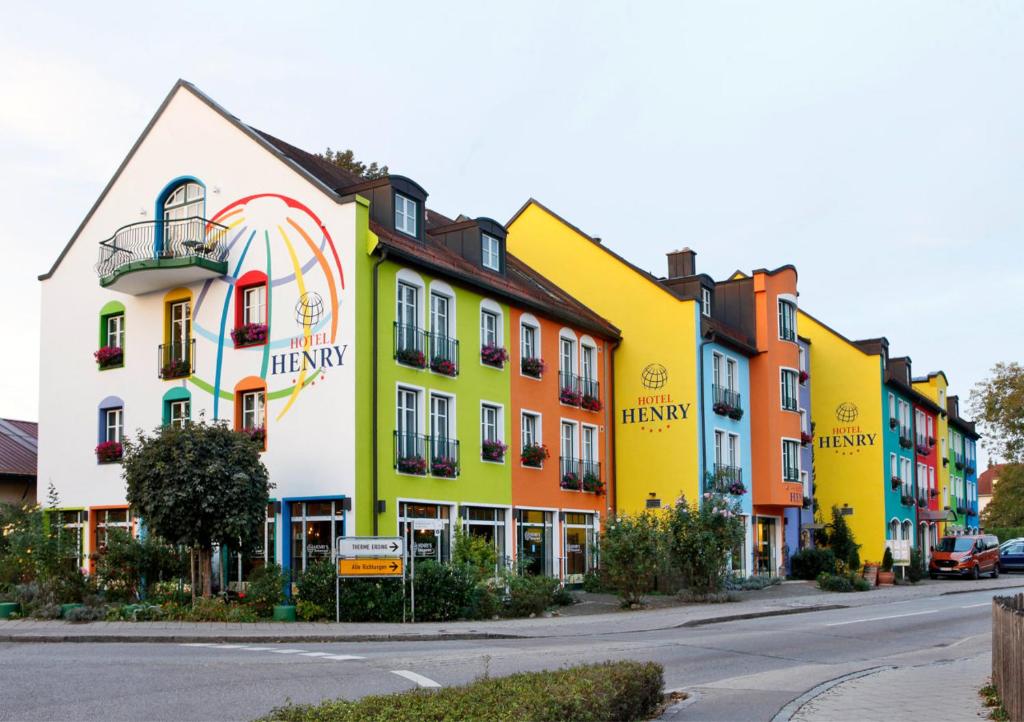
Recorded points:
(771,425)
(577,439)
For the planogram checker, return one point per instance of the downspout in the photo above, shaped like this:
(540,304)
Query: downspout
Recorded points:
(612,498)
(376,293)
(703,431)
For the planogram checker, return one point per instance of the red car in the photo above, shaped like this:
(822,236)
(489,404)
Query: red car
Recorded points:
(963,556)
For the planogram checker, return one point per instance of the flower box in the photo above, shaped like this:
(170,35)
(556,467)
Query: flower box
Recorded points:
(806,438)
(969,469)
(411,357)
(921,502)
(570,397)
(257,434)
(109,357)
(592,482)
(923,449)
(444,467)
(905,442)
(959,466)
(735,413)
(736,488)
(945,462)
(590,403)
(413,465)
(534,455)
(892,423)
(493,356)
(808,502)
(175,369)
(933,492)
(721,408)
(931,441)
(251,334)
(107,452)
(443,366)
(532,367)
(804,376)
(906,500)
(570,480)
(492,450)
(895,481)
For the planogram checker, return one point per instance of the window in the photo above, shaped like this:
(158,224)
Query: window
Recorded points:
(181,330)
(892,407)
(531,429)
(407,442)
(71,535)
(802,352)
(805,427)
(580,542)
(789,393)
(486,523)
(439,323)
(716,369)
(253,409)
(113,424)
(528,341)
(705,301)
(489,423)
(568,440)
(894,469)
(315,528)
(490,252)
(115,330)
(408,305)
(733,456)
(790,460)
(431,541)
(719,448)
(730,374)
(405,214)
(107,519)
(440,417)
(567,355)
(185,201)
(179,412)
(254,305)
(488,328)
(588,363)
(805,481)
(787,320)
(589,444)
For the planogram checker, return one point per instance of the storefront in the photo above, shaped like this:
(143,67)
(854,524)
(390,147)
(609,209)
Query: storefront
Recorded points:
(579,545)
(535,541)
(312,527)
(766,546)
(239,566)
(427,527)
(489,523)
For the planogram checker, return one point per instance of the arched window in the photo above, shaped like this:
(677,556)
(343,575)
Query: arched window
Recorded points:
(186,200)
(111,353)
(251,408)
(252,309)
(894,529)
(177,406)
(180,208)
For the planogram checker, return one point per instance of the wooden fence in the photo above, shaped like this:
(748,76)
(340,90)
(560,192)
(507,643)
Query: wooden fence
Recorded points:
(1008,653)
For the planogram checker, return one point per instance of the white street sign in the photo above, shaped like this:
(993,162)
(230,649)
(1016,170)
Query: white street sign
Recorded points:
(434,524)
(361,547)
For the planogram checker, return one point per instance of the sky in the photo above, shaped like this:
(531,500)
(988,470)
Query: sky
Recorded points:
(877,146)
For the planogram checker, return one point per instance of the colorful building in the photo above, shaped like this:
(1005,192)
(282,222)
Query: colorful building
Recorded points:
(800,521)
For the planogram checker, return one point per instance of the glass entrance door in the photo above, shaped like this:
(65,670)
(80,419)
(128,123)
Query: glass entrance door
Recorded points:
(533,541)
(765,551)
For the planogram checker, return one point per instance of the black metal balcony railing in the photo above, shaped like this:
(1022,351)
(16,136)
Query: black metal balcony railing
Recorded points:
(410,345)
(726,479)
(791,473)
(590,389)
(184,238)
(590,473)
(444,457)
(410,453)
(569,389)
(569,470)
(444,354)
(727,396)
(176,361)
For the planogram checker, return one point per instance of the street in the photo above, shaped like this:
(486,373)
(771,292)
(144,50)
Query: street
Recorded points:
(748,669)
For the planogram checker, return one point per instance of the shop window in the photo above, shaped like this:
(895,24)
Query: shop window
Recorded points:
(579,543)
(488,524)
(315,528)
(241,565)
(426,529)
(534,541)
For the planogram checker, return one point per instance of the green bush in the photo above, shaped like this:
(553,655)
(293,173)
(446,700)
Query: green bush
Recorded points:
(916,569)
(842,582)
(529,595)
(701,537)
(746,584)
(860,584)
(86,614)
(887,560)
(309,611)
(126,562)
(371,600)
(593,583)
(477,552)
(589,693)
(844,546)
(443,591)
(316,584)
(632,554)
(265,589)
(809,563)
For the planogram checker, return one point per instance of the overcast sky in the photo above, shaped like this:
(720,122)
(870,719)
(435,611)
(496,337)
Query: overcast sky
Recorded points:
(877,146)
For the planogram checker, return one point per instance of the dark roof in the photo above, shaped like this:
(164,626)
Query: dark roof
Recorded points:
(718,331)
(521,284)
(18,445)
(325,171)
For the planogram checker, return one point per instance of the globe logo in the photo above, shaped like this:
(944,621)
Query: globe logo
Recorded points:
(654,376)
(846,412)
(309,309)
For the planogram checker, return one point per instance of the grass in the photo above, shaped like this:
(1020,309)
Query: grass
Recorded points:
(990,696)
(588,693)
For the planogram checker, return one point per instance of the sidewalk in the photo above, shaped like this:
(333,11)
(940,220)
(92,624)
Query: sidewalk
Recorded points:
(785,599)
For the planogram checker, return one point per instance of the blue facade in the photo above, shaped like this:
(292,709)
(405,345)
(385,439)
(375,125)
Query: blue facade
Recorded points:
(971,482)
(726,453)
(900,465)
(798,520)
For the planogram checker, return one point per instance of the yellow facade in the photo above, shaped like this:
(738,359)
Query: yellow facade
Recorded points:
(846,405)
(935,389)
(656,405)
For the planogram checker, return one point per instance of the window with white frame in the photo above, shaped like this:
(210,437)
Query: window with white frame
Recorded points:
(113,424)
(894,469)
(567,355)
(490,426)
(488,328)
(407,423)
(589,444)
(705,301)
(254,305)
(716,368)
(405,214)
(789,390)
(528,340)
(408,305)
(719,448)
(805,480)
(115,330)
(588,362)
(802,352)
(730,374)
(440,417)
(253,409)
(892,407)
(568,441)
(787,320)
(178,412)
(790,460)
(490,252)
(440,323)
(531,429)
(732,454)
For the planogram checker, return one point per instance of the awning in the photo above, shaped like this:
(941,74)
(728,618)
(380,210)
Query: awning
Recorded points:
(941,515)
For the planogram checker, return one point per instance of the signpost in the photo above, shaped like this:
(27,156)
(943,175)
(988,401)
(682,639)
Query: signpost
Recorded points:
(368,557)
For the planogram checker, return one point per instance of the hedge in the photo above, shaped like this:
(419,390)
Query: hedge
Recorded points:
(588,693)
(1005,533)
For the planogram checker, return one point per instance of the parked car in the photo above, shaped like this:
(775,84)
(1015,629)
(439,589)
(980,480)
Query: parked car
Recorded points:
(1011,556)
(961,556)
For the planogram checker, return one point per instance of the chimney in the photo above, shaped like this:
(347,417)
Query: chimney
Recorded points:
(682,263)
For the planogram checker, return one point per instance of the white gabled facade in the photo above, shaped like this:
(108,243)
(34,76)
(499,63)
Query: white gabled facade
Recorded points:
(276,221)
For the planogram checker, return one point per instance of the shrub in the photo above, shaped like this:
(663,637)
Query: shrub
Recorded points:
(841,540)
(241,613)
(842,582)
(529,594)
(309,611)
(477,552)
(316,585)
(371,600)
(860,584)
(86,614)
(265,589)
(631,554)
(593,583)
(443,591)
(887,560)
(916,569)
(124,562)
(701,538)
(809,563)
(606,691)
(758,581)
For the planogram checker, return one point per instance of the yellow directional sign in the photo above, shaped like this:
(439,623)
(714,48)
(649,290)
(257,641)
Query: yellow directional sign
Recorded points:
(370,567)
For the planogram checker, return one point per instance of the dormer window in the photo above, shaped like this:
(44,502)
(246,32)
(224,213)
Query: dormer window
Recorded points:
(405,214)
(490,252)
(705,302)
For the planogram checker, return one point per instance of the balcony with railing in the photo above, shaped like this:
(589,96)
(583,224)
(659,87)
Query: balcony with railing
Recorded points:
(410,345)
(725,479)
(444,457)
(176,361)
(580,474)
(444,354)
(410,453)
(726,402)
(569,392)
(590,394)
(153,255)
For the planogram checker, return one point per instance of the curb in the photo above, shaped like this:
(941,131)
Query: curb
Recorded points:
(758,615)
(790,709)
(982,589)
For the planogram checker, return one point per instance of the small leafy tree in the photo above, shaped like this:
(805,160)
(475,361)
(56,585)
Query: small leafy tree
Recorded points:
(632,546)
(887,560)
(702,537)
(125,563)
(1007,506)
(998,404)
(198,485)
(346,160)
(477,552)
(840,539)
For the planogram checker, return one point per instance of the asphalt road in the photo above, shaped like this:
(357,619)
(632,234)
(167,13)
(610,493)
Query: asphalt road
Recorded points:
(738,670)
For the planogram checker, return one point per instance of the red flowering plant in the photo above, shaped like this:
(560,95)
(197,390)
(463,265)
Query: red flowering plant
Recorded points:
(737,488)
(590,403)
(444,466)
(493,355)
(175,369)
(109,356)
(412,465)
(532,366)
(571,480)
(570,397)
(806,438)
(896,481)
(804,376)
(257,434)
(442,365)
(411,357)
(592,482)
(108,452)
(250,334)
(534,455)
(493,450)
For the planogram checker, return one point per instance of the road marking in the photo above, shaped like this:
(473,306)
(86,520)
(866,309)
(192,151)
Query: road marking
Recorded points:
(315,654)
(229,646)
(877,619)
(198,644)
(287,651)
(256,649)
(417,678)
(342,657)
(972,606)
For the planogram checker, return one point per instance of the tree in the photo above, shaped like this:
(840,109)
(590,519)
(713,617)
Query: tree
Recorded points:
(702,536)
(1007,506)
(632,548)
(998,404)
(346,160)
(198,485)
(841,541)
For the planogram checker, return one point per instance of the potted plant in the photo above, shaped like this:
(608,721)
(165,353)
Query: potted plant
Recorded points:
(250,334)
(107,452)
(411,357)
(532,366)
(570,480)
(109,357)
(444,366)
(412,465)
(592,482)
(735,413)
(493,355)
(933,493)
(906,500)
(804,376)
(892,423)
(870,572)
(590,403)
(533,455)
(257,434)
(886,577)
(921,502)
(895,481)
(736,488)
(721,408)
(807,502)
(492,450)
(570,397)
(444,467)
(806,438)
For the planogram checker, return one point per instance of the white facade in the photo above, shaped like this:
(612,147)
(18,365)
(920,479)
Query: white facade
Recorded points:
(279,222)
